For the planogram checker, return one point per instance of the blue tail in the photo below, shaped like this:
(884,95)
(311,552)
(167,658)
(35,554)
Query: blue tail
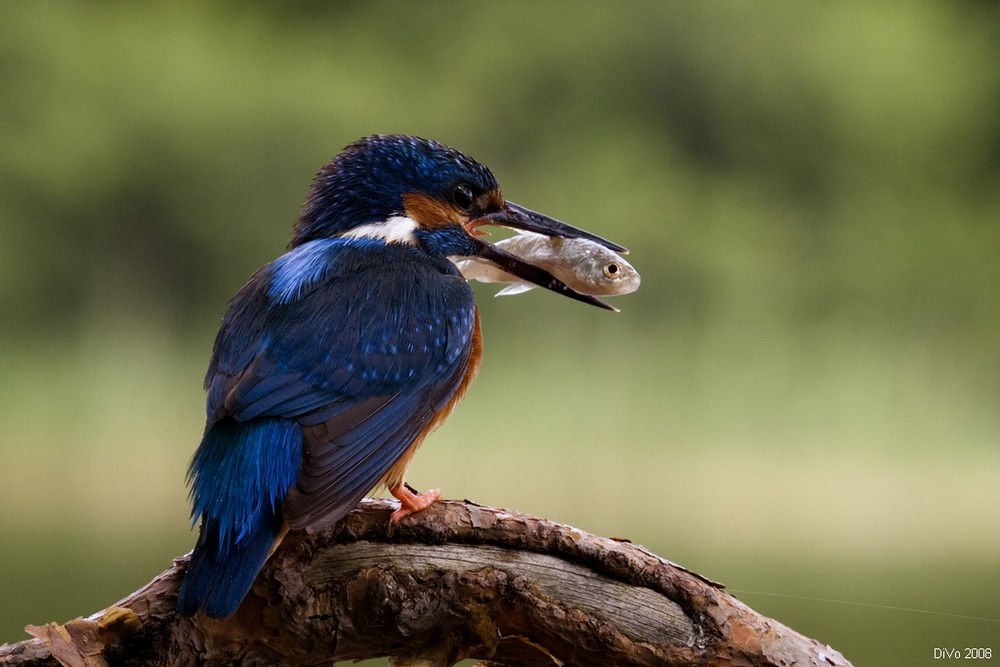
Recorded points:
(239,477)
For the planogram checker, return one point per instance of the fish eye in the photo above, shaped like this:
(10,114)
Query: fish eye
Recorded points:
(612,270)
(463,197)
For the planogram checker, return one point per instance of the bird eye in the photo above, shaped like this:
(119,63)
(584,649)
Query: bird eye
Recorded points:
(463,197)
(612,270)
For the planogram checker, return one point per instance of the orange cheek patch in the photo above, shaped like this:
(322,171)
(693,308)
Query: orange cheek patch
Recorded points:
(429,212)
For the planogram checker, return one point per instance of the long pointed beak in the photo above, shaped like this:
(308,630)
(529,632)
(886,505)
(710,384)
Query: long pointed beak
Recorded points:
(518,217)
(533,274)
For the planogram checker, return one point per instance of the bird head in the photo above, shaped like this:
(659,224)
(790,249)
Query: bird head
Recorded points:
(403,189)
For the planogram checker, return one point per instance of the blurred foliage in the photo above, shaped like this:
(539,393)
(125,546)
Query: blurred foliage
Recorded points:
(801,163)
(811,192)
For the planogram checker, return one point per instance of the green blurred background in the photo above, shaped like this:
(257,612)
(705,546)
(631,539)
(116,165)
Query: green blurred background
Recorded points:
(802,401)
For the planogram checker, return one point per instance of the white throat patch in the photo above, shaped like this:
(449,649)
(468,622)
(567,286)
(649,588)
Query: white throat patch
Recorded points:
(397,229)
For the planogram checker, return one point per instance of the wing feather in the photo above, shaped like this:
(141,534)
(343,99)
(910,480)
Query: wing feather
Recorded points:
(363,360)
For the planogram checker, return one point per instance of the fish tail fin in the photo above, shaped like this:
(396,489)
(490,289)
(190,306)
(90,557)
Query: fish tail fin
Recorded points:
(515,288)
(239,478)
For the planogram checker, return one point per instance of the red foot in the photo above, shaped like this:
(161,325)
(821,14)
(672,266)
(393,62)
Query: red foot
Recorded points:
(410,502)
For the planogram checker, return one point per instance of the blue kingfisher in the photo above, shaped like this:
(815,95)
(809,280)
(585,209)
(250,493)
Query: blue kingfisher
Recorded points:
(337,359)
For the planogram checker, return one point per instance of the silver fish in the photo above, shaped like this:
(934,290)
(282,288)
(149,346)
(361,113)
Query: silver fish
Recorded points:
(585,266)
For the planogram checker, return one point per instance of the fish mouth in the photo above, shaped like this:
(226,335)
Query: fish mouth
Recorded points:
(518,217)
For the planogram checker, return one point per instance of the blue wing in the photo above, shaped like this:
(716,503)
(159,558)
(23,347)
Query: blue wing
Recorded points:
(362,349)
(329,364)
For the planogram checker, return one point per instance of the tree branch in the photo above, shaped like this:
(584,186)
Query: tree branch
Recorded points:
(454,581)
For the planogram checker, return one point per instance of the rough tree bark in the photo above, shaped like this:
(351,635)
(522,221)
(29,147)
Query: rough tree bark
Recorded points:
(452,582)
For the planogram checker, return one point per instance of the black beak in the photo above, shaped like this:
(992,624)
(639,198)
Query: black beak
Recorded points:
(518,217)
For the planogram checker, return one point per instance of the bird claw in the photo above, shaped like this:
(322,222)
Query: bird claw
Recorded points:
(410,502)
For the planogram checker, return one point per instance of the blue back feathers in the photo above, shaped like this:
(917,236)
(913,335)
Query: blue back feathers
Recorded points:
(297,272)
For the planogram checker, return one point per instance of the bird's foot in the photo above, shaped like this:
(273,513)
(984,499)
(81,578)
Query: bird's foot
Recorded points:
(410,502)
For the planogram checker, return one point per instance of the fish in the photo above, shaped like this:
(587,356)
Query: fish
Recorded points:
(585,266)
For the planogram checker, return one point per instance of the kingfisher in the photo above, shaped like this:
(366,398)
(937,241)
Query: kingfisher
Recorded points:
(337,359)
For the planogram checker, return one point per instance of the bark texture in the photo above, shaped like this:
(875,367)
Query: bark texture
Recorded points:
(452,582)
